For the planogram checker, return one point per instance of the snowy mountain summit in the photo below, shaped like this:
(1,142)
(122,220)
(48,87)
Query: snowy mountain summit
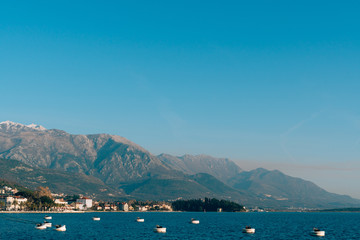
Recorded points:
(36,126)
(13,126)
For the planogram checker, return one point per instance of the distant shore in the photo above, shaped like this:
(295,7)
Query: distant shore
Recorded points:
(43,211)
(91,211)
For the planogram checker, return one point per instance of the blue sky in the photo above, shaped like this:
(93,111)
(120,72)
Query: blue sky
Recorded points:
(272,84)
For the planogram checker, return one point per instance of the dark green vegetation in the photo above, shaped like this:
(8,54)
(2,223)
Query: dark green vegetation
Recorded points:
(111,167)
(36,200)
(209,205)
(39,199)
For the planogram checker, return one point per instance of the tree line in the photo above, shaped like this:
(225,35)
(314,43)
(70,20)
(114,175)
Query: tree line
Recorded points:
(37,200)
(207,204)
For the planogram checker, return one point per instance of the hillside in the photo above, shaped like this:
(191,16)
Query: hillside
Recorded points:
(58,181)
(186,187)
(154,188)
(278,189)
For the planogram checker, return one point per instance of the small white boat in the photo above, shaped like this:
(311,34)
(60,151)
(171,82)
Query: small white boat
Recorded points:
(40,226)
(248,229)
(140,219)
(61,228)
(159,229)
(48,217)
(47,224)
(317,232)
(194,221)
(96,218)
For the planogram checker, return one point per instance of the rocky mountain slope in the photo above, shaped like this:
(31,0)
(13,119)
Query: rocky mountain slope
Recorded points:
(113,159)
(221,168)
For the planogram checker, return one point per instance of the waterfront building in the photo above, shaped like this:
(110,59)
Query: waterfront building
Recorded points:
(84,203)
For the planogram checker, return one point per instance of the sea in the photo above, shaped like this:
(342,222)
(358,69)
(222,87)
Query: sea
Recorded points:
(123,225)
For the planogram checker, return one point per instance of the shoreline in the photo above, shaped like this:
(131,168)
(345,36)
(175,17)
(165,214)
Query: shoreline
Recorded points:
(41,212)
(48,212)
(56,212)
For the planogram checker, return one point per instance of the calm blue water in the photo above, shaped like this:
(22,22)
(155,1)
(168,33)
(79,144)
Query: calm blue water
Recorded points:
(212,226)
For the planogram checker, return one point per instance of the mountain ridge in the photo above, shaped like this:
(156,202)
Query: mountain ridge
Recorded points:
(128,168)
(221,168)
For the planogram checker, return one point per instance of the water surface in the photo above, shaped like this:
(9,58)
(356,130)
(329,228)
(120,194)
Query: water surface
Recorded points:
(212,225)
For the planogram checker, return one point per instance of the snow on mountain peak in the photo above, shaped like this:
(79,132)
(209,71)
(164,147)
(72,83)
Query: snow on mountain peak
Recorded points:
(13,125)
(36,126)
(9,123)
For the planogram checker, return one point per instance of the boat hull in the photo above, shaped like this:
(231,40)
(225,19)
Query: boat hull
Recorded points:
(160,230)
(48,224)
(249,230)
(61,229)
(40,227)
(318,233)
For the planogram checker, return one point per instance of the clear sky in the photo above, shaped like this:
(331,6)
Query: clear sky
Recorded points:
(265,83)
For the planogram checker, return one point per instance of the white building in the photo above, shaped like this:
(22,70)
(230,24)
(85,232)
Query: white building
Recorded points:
(8,190)
(124,207)
(143,208)
(14,203)
(60,201)
(84,203)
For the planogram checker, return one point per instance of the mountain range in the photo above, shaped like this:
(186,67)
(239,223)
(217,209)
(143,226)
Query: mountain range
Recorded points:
(109,166)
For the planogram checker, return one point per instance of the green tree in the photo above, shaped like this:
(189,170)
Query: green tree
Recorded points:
(22,206)
(2,205)
(15,204)
(210,205)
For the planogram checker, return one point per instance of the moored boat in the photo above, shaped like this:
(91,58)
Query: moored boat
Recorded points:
(248,229)
(48,217)
(140,219)
(61,228)
(96,218)
(40,226)
(47,224)
(317,232)
(194,221)
(159,229)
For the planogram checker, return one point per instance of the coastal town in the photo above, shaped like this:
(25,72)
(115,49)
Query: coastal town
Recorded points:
(42,199)
(11,199)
